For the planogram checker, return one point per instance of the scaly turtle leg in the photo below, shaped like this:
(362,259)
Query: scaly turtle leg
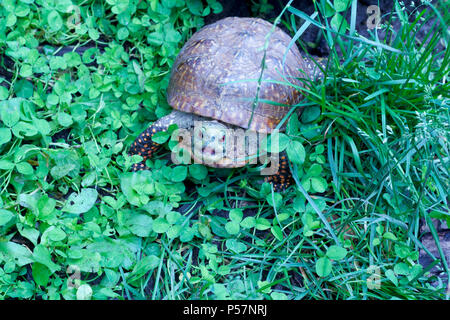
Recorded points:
(283,178)
(314,70)
(144,144)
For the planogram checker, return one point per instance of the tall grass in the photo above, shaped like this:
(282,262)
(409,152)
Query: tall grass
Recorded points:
(385,108)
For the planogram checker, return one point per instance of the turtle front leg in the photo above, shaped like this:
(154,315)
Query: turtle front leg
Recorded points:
(144,144)
(314,71)
(282,179)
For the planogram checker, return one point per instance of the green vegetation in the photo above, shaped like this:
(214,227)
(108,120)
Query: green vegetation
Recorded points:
(370,157)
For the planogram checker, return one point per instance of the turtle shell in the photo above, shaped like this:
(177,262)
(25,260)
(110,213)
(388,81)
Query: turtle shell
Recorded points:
(218,74)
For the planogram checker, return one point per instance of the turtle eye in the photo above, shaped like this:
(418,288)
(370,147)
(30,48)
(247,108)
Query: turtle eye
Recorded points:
(222,139)
(202,133)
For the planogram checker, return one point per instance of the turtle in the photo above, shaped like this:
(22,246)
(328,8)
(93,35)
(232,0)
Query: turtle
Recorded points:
(232,76)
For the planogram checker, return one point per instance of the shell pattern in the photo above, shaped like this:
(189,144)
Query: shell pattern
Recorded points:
(217,74)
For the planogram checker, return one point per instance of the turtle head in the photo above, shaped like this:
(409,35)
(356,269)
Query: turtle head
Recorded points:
(210,141)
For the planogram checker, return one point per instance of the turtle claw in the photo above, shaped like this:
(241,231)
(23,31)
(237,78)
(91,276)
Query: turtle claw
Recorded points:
(279,185)
(139,166)
(283,178)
